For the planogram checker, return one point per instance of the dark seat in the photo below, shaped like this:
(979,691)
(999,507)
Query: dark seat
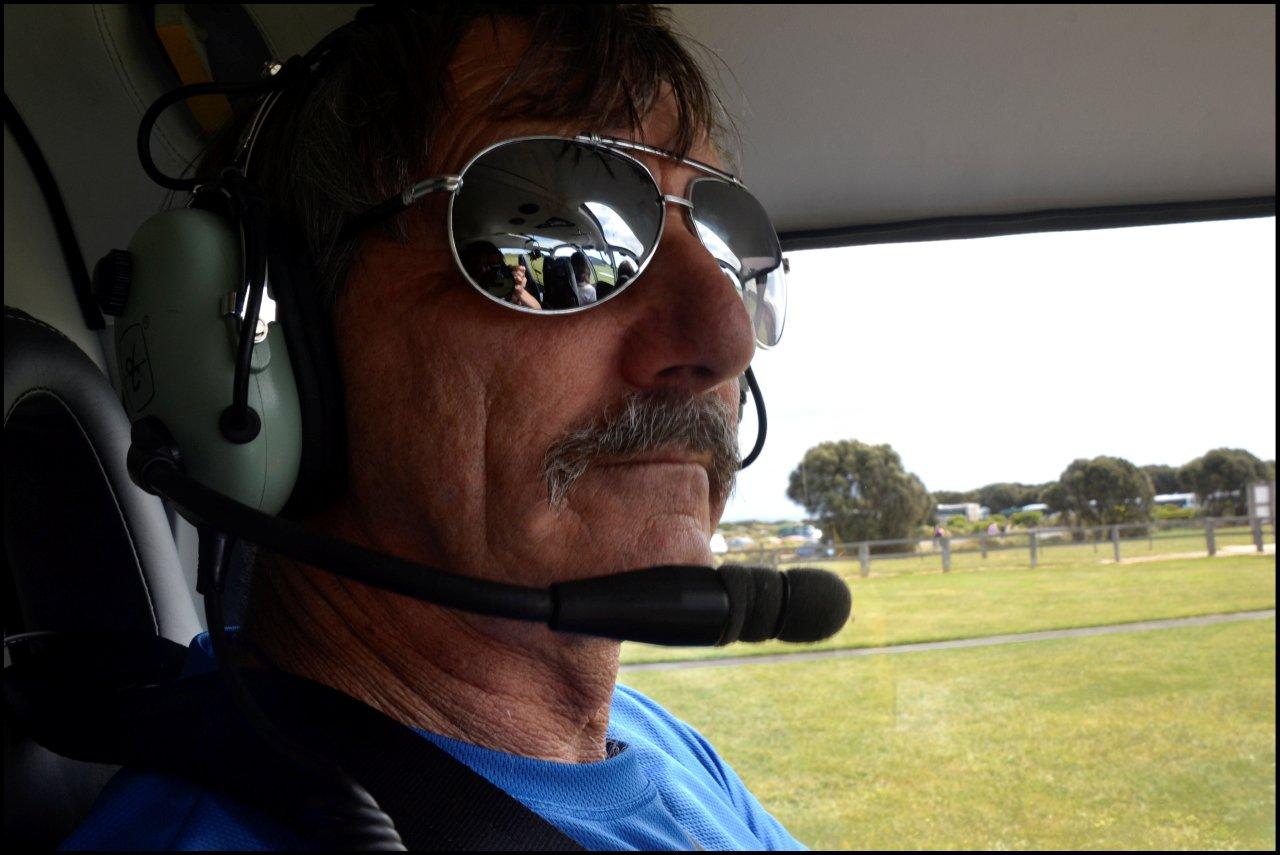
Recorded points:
(85,550)
(557,284)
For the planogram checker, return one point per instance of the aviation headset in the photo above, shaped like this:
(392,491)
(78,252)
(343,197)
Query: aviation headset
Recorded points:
(188,294)
(187,297)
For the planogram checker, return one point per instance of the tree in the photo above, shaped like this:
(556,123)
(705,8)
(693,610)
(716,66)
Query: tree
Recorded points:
(1105,490)
(860,491)
(950,497)
(1164,479)
(1055,496)
(998,497)
(1220,479)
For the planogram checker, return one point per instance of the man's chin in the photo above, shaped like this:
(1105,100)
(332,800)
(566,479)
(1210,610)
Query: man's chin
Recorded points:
(609,547)
(649,514)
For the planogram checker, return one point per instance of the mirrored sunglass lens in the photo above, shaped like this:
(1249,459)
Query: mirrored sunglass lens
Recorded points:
(734,227)
(571,223)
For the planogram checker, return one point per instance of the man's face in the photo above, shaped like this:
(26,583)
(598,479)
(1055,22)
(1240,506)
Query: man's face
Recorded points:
(454,401)
(492,261)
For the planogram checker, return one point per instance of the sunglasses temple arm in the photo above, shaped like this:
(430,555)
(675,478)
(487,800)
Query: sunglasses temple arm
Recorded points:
(389,208)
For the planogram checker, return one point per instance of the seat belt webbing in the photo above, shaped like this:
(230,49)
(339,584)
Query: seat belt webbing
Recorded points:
(70,699)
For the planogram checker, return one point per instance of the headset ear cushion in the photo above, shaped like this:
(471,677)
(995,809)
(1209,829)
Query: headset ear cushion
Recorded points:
(308,334)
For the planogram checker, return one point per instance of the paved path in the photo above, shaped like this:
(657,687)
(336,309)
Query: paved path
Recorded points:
(1248,549)
(985,641)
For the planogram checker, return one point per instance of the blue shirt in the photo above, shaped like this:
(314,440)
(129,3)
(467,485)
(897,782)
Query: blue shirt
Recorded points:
(662,787)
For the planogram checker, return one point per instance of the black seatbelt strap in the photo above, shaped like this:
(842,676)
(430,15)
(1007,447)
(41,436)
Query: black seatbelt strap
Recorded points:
(78,700)
(436,801)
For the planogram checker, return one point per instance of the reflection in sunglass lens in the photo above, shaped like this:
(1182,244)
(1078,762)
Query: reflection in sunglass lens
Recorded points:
(487,267)
(734,227)
(583,221)
(580,219)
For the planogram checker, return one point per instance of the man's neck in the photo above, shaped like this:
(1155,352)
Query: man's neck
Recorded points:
(514,687)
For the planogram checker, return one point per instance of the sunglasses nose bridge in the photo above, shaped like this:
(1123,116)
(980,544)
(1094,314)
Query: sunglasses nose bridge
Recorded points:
(686,208)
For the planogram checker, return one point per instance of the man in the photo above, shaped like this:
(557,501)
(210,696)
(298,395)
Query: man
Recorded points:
(485,264)
(618,454)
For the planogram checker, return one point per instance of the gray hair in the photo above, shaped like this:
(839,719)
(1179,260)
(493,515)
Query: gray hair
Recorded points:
(647,423)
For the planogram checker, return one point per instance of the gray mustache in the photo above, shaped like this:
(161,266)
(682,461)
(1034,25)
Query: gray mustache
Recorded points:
(648,423)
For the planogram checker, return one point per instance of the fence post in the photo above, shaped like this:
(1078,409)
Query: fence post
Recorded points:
(1208,537)
(982,541)
(864,558)
(1257,533)
(1033,550)
(1115,542)
(946,555)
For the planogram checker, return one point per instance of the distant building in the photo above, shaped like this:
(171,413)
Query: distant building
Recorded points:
(1036,506)
(718,546)
(1176,500)
(971,511)
(800,533)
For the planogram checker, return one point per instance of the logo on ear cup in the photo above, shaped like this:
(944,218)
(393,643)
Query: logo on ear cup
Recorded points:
(135,369)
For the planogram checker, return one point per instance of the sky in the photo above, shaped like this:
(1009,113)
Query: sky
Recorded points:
(1004,359)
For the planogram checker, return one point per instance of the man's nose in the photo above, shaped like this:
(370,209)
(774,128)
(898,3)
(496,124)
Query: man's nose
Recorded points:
(691,331)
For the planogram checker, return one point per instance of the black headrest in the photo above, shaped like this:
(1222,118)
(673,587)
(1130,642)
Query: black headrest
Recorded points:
(85,549)
(557,284)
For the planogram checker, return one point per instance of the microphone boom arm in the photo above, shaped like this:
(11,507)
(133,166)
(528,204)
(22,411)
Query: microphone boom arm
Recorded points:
(671,605)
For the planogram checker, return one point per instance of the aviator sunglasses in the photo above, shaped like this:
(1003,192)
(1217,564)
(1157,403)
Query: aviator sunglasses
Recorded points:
(584,218)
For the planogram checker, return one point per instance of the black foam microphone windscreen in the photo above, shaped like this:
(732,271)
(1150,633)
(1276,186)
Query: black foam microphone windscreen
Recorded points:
(800,605)
(818,605)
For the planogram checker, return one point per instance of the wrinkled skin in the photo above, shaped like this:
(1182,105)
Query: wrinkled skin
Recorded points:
(448,423)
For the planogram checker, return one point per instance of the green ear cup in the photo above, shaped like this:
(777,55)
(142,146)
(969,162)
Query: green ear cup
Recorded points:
(176,355)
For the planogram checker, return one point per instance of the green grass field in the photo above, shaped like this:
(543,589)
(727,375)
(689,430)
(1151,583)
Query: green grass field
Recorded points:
(900,609)
(1158,739)
(1161,739)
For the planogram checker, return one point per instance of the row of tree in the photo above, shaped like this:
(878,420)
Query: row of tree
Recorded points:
(862,492)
